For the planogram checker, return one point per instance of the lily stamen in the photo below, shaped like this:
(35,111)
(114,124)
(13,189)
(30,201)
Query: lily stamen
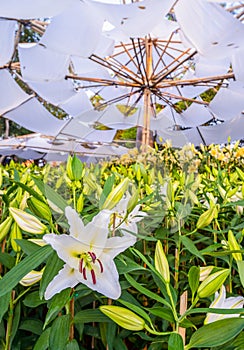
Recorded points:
(93,277)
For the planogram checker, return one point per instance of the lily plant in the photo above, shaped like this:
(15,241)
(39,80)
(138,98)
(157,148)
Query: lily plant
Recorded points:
(88,253)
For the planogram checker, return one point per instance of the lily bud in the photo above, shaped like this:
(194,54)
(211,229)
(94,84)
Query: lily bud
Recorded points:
(31,278)
(206,218)
(233,245)
(161,262)
(123,317)
(74,168)
(205,272)
(27,222)
(15,234)
(115,195)
(5,227)
(212,283)
(39,208)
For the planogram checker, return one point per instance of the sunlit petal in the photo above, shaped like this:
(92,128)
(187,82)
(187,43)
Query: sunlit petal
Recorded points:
(66,278)
(76,224)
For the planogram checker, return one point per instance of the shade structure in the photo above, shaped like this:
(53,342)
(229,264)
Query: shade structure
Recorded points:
(149,65)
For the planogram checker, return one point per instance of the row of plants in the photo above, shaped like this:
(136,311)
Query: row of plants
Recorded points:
(141,252)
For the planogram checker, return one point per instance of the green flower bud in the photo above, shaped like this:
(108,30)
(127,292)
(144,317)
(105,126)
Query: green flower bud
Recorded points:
(161,262)
(27,222)
(212,283)
(206,218)
(39,208)
(116,195)
(123,317)
(233,245)
(74,168)
(5,227)
(15,234)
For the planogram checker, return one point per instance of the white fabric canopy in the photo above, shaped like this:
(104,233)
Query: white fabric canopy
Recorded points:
(29,9)
(39,63)
(11,94)
(211,29)
(33,116)
(228,103)
(137,19)
(180,137)
(76,31)
(220,133)
(7,38)
(194,115)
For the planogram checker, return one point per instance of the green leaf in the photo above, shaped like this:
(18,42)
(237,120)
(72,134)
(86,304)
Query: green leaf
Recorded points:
(145,291)
(12,278)
(193,278)
(29,190)
(33,326)
(106,189)
(90,315)
(7,260)
(4,303)
(54,264)
(189,245)
(16,320)
(175,342)
(162,312)
(216,333)
(56,305)
(28,247)
(59,334)
(51,194)
(43,341)
(240,265)
(72,345)
(33,300)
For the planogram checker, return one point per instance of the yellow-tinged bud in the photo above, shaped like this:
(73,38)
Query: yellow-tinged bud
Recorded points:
(74,168)
(5,227)
(39,208)
(123,317)
(233,245)
(15,234)
(205,272)
(116,195)
(212,283)
(161,262)
(31,278)
(206,218)
(222,191)
(80,203)
(27,222)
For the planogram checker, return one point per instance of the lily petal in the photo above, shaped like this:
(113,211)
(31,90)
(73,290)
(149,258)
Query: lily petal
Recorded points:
(116,245)
(107,282)
(66,278)
(75,223)
(97,232)
(68,248)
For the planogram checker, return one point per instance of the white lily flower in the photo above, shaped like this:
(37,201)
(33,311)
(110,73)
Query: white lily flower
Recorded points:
(88,254)
(128,223)
(221,302)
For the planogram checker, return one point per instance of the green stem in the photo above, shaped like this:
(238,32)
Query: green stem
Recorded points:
(10,322)
(172,302)
(152,331)
(74,195)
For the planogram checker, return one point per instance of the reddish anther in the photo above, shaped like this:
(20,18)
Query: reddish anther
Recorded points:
(84,273)
(81,266)
(100,264)
(93,277)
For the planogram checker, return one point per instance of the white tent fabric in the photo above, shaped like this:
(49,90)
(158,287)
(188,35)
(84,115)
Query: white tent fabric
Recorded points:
(29,9)
(237,63)
(33,116)
(220,133)
(76,31)
(228,103)
(217,67)
(137,19)
(62,93)
(7,40)
(11,94)
(39,63)
(194,115)
(165,119)
(213,40)
(115,119)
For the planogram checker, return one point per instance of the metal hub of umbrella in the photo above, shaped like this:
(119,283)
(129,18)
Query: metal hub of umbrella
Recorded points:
(149,66)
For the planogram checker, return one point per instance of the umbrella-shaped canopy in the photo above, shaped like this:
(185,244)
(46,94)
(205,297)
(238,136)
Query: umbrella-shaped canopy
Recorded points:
(146,63)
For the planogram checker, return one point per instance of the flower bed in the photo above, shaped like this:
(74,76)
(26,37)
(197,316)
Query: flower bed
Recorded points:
(144,252)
